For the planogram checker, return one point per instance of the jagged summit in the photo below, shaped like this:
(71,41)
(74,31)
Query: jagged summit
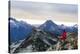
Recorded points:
(49,25)
(50,22)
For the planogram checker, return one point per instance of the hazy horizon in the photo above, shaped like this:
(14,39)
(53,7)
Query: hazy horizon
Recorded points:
(37,12)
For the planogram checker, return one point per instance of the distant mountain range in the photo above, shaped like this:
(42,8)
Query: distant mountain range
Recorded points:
(20,30)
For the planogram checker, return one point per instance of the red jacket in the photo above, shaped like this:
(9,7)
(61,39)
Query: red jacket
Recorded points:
(63,36)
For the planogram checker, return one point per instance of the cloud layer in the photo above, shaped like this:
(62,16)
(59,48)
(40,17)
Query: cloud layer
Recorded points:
(44,11)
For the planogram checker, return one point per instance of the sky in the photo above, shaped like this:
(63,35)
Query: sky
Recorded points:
(39,12)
